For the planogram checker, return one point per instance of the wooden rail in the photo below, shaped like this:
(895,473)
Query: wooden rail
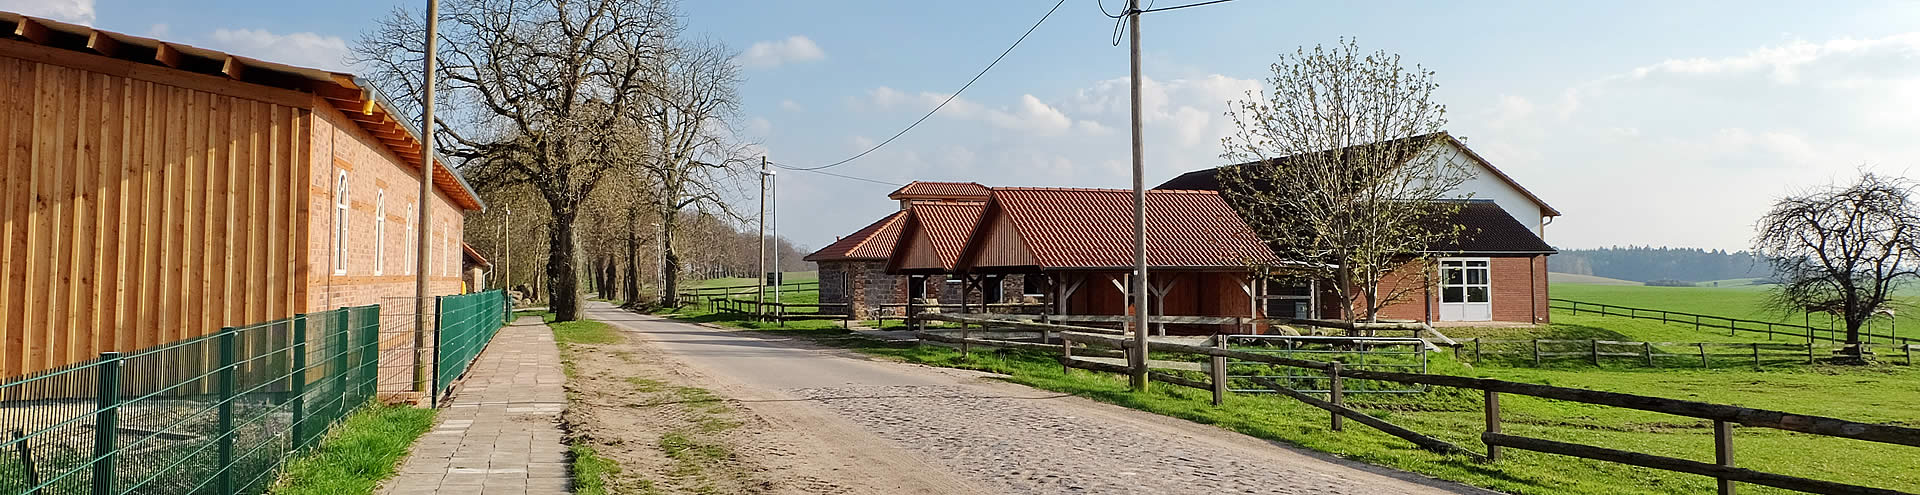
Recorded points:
(1700,321)
(1724,416)
(780,311)
(1476,348)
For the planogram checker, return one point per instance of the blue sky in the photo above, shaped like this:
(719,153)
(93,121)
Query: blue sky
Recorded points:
(1663,123)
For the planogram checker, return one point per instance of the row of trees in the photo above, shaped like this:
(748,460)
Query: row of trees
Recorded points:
(590,112)
(1647,263)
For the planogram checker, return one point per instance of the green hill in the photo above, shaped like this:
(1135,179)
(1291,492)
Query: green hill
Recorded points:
(1569,278)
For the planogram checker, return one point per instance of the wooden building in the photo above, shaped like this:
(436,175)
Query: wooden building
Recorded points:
(155,191)
(1077,246)
(1496,272)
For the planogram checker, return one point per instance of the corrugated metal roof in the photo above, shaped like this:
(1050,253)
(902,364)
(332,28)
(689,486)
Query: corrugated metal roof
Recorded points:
(952,191)
(1093,228)
(873,242)
(948,224)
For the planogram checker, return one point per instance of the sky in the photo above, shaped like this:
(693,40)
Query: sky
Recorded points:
(1645,123)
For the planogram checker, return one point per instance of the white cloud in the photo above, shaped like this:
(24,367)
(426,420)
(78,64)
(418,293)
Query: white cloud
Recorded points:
(1030,114)
(298,49)
(1703,144)
(759,127)
(769,54)
(791,106)
(74,11)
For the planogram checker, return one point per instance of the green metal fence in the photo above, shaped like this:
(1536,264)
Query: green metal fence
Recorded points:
(466,324)
(210,415)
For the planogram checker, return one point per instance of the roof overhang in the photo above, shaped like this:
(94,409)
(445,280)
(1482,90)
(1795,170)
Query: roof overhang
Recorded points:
(345,92)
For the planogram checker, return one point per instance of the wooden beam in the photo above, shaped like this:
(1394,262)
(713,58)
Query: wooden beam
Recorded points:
(32,30)
(167,55)
(102,44)
(1425,442)
(1680,465)
(234,68)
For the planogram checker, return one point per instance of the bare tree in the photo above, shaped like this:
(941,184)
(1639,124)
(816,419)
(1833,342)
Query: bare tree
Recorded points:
(691,155)
(1349,178)
(545,86)
(1843,250)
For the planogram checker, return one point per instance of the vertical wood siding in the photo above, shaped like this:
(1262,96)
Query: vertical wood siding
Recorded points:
(139,213)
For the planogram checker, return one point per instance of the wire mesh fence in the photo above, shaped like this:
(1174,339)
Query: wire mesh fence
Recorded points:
(210,415)
(467,323)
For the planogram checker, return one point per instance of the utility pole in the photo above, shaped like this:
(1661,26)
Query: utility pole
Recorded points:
(1138,365)
(760,294)
(426,194)
(773,203)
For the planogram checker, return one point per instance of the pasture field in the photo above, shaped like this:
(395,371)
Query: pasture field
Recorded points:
(1742,301)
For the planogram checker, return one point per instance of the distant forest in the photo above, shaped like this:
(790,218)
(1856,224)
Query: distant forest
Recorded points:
(1646,264)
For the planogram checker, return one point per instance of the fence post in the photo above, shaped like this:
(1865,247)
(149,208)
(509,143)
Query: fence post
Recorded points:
(1595,350)
(1696,323)
(1536,353)
(1723,452)
(1493,423)
(1337,392)
(106,422)
(1810,359)
(298,381)
(224,483)
(344,346)
(433,391)
(1646,348)
(1476,350)
(1703,355)
(1576,308)
(1219,371)
(1066,355)
(1756,354)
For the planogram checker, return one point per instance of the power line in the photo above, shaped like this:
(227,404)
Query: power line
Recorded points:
(1178,7)
(950,98)
(843,176)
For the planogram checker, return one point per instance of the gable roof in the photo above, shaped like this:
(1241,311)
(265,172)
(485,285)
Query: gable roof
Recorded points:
(1209,180)
(472,256)
(347,93)
(873,242)
(1093,229)
(1490,230)
(945,224)
(948,191)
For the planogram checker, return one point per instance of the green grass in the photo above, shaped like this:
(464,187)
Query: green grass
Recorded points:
(590,471)
(357,454)
(1744,301)
(584,332)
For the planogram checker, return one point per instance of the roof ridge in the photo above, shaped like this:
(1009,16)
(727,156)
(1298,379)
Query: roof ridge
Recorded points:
(1107,190)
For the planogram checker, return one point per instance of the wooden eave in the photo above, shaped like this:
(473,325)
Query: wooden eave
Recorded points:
(174,63)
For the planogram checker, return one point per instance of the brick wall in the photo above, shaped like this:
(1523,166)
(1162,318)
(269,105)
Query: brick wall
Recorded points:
(374,176)
(1519,291)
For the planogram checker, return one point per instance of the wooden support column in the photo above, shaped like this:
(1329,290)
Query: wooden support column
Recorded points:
(1723,452)
(1493,422)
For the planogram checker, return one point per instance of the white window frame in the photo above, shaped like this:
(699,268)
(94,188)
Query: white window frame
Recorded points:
(379,231)
(411,238)
(1466,266)
(342,207)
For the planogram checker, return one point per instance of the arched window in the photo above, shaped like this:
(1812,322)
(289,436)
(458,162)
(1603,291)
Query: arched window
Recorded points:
(340,202)
(380,232)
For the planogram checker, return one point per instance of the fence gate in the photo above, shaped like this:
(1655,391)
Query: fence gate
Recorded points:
(1404,355)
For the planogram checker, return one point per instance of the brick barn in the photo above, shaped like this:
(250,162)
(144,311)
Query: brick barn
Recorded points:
(853,270)
(155,192)
(1496,273)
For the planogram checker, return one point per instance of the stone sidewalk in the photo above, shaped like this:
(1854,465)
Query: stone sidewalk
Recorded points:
(501,433)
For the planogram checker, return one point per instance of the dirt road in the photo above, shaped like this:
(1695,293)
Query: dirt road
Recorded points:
(936,430)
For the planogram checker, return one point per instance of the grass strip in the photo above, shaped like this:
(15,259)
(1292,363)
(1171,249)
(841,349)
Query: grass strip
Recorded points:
(356,455)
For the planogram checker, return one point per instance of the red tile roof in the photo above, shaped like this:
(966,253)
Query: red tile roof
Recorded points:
(951,191)
(947,223)
(1093,228)
(874,242)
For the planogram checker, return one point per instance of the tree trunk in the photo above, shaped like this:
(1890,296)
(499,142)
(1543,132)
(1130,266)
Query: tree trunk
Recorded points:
(1344,277)
(670,263)
(563,278)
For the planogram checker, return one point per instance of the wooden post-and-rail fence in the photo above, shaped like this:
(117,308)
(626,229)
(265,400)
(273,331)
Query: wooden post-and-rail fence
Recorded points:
(1077,343)
(1771,329)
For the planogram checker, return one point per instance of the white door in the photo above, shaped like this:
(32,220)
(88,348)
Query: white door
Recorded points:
(1466,290)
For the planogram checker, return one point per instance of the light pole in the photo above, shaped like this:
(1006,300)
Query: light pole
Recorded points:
(760,256)
(773,220)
